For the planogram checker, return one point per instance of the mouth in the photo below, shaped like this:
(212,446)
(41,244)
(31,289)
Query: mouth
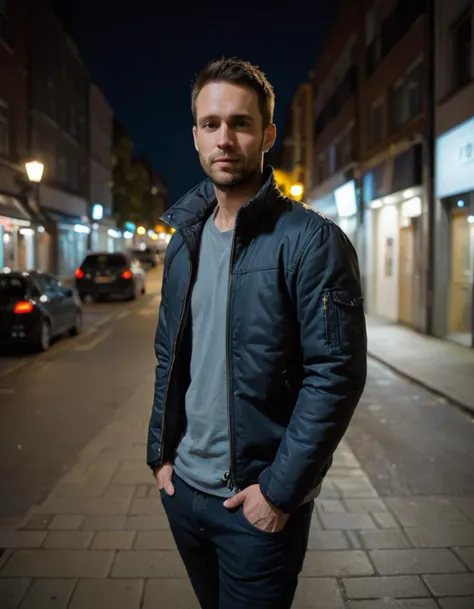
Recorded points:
(225,161)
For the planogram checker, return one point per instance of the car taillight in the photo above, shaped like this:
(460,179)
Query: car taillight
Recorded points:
(127,275)
(23,307)
(79,274)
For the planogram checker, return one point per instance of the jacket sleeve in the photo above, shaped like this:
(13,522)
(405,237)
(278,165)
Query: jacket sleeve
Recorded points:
(161,374)
(329,308)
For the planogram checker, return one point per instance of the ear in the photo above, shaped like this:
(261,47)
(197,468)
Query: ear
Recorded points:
(195,138)
(269,137)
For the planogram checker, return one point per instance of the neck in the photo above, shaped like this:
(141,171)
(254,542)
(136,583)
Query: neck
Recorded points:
(230,201)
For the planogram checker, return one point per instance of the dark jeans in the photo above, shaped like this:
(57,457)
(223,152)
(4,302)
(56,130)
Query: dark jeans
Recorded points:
(232,564)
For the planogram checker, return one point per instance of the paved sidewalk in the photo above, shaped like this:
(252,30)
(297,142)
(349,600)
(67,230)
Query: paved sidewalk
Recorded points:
(441,366)
(101,539)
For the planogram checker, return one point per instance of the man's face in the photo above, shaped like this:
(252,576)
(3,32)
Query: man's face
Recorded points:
(229,135)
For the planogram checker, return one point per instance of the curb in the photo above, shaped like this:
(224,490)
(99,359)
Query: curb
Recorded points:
(466,408)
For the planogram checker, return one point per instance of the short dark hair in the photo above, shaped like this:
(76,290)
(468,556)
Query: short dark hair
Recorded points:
(239,72)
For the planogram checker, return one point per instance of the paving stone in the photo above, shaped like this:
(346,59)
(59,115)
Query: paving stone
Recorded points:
(415,562)
(347,521)
(141,491)
(385,587)
(104,523)
(385,520)
(365,505)
(467,555)
(330,506)
(48,594)
(426,511)
(102,467)
(22,539)
(5,554)
(388,603)
(336,564)
(466,505)
(383,540)
(66,522)
(147,523)
(146,506)
(354,540)
(132,478)
(98,594)
(170,594)
(154,540)
(451,585)
(328,491)
(345,460)
(137,563)
(456,603)
(327,540)
(68,490)
(37,522)
(318,594)
(58,563)
(12,591)
(68,540)
(115,492)
(354,488)
(441,537)
(86,506)
(113,540)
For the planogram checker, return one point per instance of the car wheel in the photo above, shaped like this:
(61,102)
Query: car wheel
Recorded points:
(44,340)
(76,328)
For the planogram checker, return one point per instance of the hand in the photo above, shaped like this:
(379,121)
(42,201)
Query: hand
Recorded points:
(258,510)
(163,477)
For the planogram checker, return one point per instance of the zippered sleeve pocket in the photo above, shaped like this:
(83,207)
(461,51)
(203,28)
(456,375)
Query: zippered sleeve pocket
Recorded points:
(344,320)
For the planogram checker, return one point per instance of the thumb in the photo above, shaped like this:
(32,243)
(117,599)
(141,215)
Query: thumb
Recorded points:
(169,488)
(236,500)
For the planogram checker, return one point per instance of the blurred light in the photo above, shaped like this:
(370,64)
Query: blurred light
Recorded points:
(128,235)
(172,231)
(470,219)
(162,236)
(95,226)
(296,190)
(460,203)
(410,193)
(151,233)
(154,190)
(6,269)
(26,231)
(113,233)
(6,238)
(127,274)
(23,307)
(97,211)
(80,228)
(376,204)
(142,246)
(346,200)
(34,169)
(167,238)
(43,298)
(141,230)
(154,236)
(79,273)
(390,199)
(40,229)
(412,208)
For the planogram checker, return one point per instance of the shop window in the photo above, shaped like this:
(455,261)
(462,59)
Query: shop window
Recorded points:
(462,51)
(4,129)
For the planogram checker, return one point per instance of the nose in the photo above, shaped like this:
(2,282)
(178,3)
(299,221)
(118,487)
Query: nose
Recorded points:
(225,137)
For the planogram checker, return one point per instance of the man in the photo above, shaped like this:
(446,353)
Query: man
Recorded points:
(261,349)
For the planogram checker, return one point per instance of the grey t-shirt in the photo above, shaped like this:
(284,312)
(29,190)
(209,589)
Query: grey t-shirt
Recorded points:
(203,453)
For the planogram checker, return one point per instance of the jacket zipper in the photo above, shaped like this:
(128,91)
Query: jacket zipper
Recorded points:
(175,346)
(326,321)
(229,477)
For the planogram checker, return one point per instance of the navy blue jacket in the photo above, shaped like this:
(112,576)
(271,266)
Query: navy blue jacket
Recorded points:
(296,341)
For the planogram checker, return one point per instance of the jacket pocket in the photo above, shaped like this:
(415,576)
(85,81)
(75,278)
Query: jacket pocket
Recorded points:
(344,320)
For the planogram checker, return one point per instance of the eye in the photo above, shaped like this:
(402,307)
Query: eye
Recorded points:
(242,124)
(210,125)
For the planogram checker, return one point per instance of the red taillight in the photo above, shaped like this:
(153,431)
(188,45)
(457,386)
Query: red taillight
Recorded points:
(127,274)
(23,307)
(79,274)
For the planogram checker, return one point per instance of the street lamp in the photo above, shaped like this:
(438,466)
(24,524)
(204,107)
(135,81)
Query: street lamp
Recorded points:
(34,169)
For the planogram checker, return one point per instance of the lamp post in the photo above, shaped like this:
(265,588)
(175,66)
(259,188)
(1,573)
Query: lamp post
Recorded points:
(34,170)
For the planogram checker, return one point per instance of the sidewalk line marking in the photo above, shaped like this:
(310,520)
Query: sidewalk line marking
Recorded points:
(122,315)
(94,342)
(12,369)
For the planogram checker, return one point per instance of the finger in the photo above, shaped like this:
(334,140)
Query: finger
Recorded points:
(169,488)
(235,501)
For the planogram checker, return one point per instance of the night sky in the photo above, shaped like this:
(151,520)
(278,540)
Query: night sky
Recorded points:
(144,55)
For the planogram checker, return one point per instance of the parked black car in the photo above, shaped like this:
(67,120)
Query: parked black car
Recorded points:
(103,274)
(35,307)
(148,257)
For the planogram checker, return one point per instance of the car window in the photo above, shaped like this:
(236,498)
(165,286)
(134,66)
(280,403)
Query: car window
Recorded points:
(104,260)
(12,289)
(49,285)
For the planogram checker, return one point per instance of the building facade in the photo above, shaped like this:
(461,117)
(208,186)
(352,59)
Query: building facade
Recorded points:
(17,243)
(454,172)
(104,235)
(59,138)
